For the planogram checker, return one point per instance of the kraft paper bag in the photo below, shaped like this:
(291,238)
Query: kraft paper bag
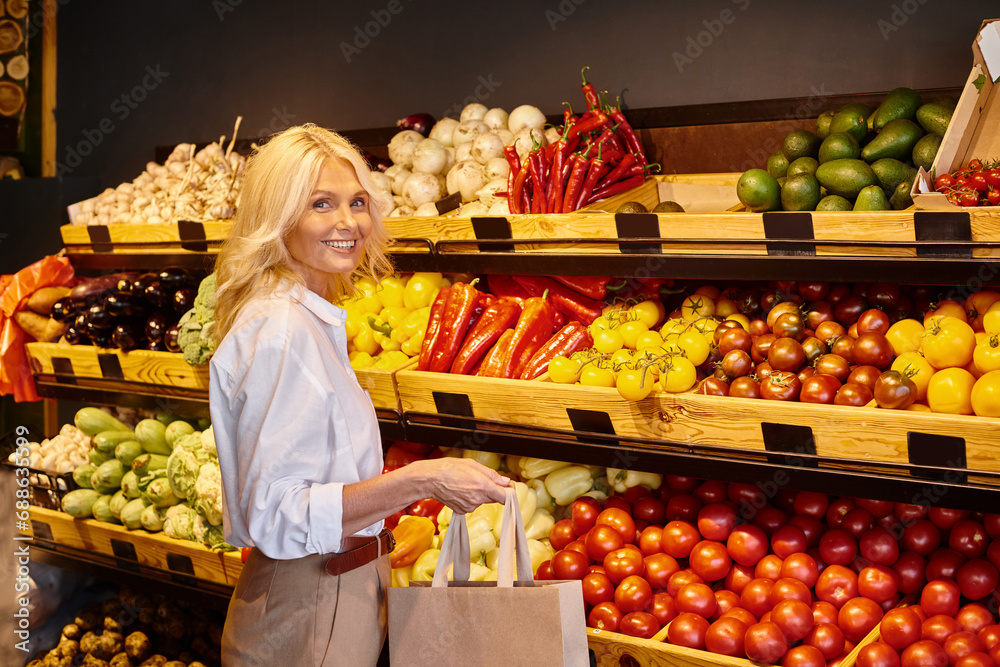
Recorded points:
(487,623)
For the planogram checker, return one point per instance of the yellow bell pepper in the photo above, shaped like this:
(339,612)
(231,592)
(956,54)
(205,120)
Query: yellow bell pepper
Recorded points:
(444,518)
(539,525)
(481,537)
(511,464)
(543,499)
(360,360)
(390,290)
(423,568)
(569,483)
(382,333)
(597,495)
(526,502)
(409,333)
(532,468)
(369,301)
(365,341)
(390,359)
(540,552)
(413,537)
(394,315)
(421,289)
(488,459)
(411,347)
(353,323)
(401,576)
(622,480)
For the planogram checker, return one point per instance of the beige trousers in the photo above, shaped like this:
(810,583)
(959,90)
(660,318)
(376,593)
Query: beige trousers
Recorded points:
(291,612)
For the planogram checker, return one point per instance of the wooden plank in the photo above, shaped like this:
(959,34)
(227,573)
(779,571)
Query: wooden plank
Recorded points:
(49,72)
(381,384)
(145,366)
(612,649)
(166,233)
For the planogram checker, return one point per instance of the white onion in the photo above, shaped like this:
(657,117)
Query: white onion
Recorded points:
(421,188)
(382,182)
(429,157)
(486,147)
(398,179)
(502,207)
(471,209)
(449,152)
(443,129)
(469,179)
(397,200)
(526,139)
(402,212)
(468,130)
(506,136)
(488,191)
(474,111)
(451,180)
(428,210)
(496,168)
(525,116)
(401,147)
(463,151)
(552,135)
(496,119)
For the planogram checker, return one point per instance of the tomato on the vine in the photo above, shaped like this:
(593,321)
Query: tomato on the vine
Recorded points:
(781,386)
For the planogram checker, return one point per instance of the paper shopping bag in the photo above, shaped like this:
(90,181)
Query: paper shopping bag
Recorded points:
(486,623)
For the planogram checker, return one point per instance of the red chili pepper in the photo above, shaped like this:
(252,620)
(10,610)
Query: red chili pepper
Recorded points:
(619,172)
(498,318)
(454,324)
(398,457)
(505,287)
(559,321)
(575,183)
(533,328)
(573,304)
(538,202)
(616,188)
(588,91)
(244,554)
(569,339)
(483,301)
(568,117)
(514,162)
(433,328)
(597,121)
(493,362)
(596,287)
(632,141)
(594,173)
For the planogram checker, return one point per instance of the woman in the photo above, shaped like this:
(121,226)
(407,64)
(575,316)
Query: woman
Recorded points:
(297,437)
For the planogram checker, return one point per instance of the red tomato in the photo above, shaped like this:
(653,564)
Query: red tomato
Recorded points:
(900,628)
(944,564)
(710,560)
(969,538)
(605,616)
(837,585)
(696,599)
(878,508)
(973,617)
(811,504)
(659,568)
(961,643)
(988,634)
(583,514)
(724,601)
(747,544)
(857,522)
(738,577)
(803,656)
(682,483)
(663,608)
(682,578)
(877,655)
(679,538)
(639,624)
(811,526)
(977,578)
(944,517)
(910,569)
(725,637)
(635,493)
(828,638)
(650,540)
(938,628)
(801,567)
(837,510)
(620,520)
(741,614)
(769,519)
(979,658)
(923,653)
(602,540)
(940,596)
(824,612)
(788,540)
(756,597)
(682,507)
(794,617)
(878,583)
(597,588)
(618,502)
(790,589)
(769,567)
(649,509)
(624,562)
(544,572)
(568,564)
(873,349)
(992,524)
(857,617)
(710,491)
(716,521)
(879,546)
(921,536)
(633,594)
(688,630)
(764,642)
(561,534)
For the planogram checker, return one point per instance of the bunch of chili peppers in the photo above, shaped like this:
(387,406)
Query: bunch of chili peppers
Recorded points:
(597,156)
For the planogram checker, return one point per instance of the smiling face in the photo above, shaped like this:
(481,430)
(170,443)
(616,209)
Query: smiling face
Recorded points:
(330,235)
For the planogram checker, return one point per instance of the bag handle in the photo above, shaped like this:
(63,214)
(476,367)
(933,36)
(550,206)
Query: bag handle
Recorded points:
(455,551)
(513,544)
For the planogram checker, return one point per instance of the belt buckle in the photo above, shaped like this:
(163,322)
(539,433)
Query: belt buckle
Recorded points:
(392,541)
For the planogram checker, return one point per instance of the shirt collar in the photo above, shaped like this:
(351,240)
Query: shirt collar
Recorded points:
(316,304)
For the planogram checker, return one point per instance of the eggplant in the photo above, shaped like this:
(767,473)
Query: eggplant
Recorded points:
(140,284)
(122,304)
(90,290)
(170,338)
(101,337)
(75,336)
(174,277)
(64,310)
(127,336)
(98,317)
(157,346)
(156,325)
(184,299)
(158,295)
(418,122)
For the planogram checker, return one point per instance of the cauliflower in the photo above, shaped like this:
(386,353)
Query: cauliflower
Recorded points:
(208,493)
(204,303)
(179,522)
(208,442)
(184,463)
(196,328)
(211,536)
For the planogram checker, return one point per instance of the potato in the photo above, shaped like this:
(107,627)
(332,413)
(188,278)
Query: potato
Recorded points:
(88,641)
(121,660)
(32,323)
(138,646)
(72,631)
(41,300)
(155,661)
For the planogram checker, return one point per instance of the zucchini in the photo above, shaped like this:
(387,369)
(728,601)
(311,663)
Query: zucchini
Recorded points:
(147,463)
(106,441)
(176,430)
(151,434)
(80,503)
(102,509)
(128,451)
(81,476)
(97,457)
(131,512)
(130,485)
(108,476)
(151,518)
(94,420)
(118,500)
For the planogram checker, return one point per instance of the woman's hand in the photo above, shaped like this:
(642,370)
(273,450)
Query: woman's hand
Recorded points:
(462,484)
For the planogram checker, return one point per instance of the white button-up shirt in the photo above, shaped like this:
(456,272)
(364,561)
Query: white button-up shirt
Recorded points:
(292,425)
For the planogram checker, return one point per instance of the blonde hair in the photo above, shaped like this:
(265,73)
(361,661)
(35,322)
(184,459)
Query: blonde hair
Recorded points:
(280,177)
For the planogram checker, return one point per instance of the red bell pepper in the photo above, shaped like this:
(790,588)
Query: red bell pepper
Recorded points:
(433,328)
(574,305)
(596,287)
(533,328)
(569,339)
(397,457)
(499,317)
(392,520)
(454,325)
(427,507)
(244,554)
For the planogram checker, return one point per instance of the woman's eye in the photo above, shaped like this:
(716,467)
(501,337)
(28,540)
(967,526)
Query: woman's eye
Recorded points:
(322,203)
(361,203)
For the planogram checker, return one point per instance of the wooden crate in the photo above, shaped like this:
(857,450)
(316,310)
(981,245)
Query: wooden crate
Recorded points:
(153,550)
(381,384)
(850,435)
(140,366)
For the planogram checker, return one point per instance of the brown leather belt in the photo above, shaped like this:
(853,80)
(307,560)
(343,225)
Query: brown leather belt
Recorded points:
(360,551)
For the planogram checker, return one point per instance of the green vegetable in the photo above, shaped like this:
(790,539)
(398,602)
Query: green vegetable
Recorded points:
(102,509)
(94,420)
(152,435)
(151,518)
(176,430)
(196,338)
(80,503)
(127,451)
(131,512)
(179,522)
(106,441)
(208,493)
(146,463)
(158,493)
(118,501)
(81,476)
(211,536)
(204,302)
(97,458)
(130,485)
(108,476)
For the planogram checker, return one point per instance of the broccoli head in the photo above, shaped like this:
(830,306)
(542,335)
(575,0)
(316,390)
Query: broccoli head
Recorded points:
(195,338)
(204,303)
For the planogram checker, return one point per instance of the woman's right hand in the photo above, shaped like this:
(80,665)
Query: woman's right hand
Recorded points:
(462,484)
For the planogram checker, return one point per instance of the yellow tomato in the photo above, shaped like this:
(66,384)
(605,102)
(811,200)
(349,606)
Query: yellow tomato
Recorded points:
(978,304)
(564,371)
(919,407)
(726,307)
(948,342)
(608,341)
(986,356)
(914,366)
(695,345)
(634,385)
(622,358)
(597,326)
(649,312)
(593,376)
(642,357)
(648,339)
(947,308)
(679,375)
(630,332)
(741,318)
(904,336)
(986,395)
(673,325)
(614,309)
(950,391)
(711,291)
(991,320)
(697,305)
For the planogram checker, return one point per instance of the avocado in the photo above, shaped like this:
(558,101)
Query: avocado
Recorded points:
(632,207)
(800,193)
(935,116)
(892,172)
(845,177)
(759,191)
(833,203)
(896,140)
(802,165)
(852,121)
(839,145)
(899,103)
(823,123)
(800,143)
(901,198)
(925,150)
(871,198)
(668,207)
(777,165)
